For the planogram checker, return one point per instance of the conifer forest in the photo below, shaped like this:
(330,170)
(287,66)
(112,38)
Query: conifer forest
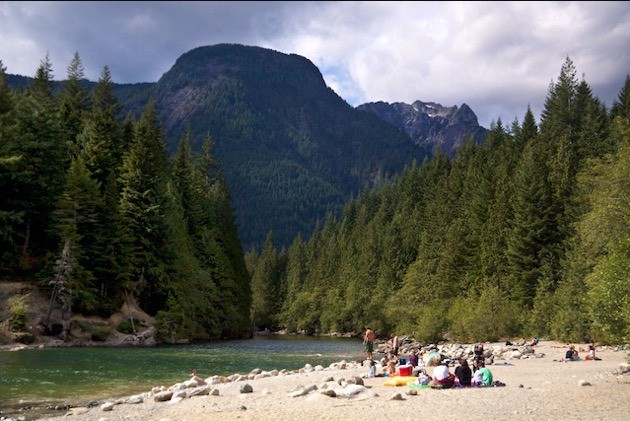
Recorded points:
(524,234)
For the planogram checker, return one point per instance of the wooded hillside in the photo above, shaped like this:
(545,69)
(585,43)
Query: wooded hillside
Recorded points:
(525,235)
(95,211)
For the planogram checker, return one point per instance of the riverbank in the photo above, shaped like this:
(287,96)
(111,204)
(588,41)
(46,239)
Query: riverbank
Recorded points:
(538,387)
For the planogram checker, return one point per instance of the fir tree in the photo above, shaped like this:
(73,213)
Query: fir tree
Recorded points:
(143,174)
(77,224)
(100,140)
(74,103)
(265,286)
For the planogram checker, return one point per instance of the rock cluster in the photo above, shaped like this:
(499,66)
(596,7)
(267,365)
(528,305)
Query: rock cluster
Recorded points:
(351,387)
(454,351)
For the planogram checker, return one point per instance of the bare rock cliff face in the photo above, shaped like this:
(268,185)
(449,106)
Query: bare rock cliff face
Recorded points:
(431,125)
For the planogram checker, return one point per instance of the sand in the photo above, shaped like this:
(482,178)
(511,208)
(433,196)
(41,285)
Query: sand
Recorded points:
(536,389)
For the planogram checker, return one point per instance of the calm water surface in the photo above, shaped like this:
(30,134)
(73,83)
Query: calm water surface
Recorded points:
(72,376)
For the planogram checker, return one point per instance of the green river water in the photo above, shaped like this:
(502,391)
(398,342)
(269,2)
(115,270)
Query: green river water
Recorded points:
(46,377)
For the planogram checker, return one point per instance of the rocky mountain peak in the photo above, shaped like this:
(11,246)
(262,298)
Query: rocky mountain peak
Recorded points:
(431,125)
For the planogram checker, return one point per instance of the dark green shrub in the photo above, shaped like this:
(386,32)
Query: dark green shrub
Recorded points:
(100,334)
(25,338)
(125,327)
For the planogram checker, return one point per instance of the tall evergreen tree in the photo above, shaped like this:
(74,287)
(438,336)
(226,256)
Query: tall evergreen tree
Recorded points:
(100,140)
(621,106)
(74,103)
(531,242)
(38,179)
(265,283)
(529,129)
(142,180)
(11,216)
(77,224)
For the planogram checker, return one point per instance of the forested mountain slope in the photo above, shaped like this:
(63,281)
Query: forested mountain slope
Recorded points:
(291,149)
(527,234)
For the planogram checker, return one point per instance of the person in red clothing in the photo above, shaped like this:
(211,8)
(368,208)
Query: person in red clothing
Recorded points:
(442,377)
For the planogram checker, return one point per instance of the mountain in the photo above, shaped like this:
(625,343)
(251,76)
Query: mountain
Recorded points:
(431,125)
(291,149)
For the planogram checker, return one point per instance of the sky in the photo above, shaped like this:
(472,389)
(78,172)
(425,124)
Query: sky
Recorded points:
(496,57)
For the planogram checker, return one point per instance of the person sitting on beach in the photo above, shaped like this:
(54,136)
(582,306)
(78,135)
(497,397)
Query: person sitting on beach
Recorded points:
(373,371)
(391,367)
(384,361)
(463,373)
(572,354)
(482,377)
(413,358)
(534,342)
(591,354)
(442,377)
(475,365)
(423,377)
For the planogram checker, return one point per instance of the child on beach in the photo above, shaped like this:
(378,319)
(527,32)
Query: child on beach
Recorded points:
(391,367)
(372,369)
(482,377)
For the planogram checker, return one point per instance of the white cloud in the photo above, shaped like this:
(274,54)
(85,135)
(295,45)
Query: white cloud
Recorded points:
(497,57)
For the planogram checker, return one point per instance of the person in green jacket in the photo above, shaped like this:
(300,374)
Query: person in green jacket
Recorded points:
(483,376)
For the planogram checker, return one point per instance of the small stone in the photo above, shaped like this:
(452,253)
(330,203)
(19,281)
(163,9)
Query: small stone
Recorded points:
(163,396)
(397,397)
(246,388)
(584,383)
(107,406)
(328,392)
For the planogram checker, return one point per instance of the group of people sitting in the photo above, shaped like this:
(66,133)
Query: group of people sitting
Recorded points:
(442,377)
(572,354)
(463,375)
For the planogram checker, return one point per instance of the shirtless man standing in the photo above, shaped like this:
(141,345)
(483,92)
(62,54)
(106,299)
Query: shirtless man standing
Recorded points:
(368,341)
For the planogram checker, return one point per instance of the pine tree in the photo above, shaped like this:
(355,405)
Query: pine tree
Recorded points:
(38,178)
(7,100)
(265,286)
(101,140)
(621,106)
(74,103)
(11,216)
(531,241)
(77,225)
(529,129)
(142,182)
